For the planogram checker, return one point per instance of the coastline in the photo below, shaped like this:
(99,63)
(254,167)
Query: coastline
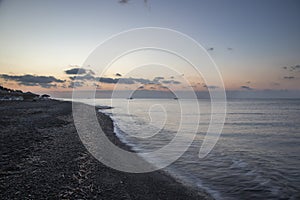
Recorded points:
(43,157)
(186,183)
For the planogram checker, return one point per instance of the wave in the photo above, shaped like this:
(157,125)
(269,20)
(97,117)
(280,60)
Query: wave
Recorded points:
(187,180)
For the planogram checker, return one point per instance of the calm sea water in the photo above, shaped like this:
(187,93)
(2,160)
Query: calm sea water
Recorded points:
(257,155)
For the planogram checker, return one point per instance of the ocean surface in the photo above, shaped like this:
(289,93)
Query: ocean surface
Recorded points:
(256,157)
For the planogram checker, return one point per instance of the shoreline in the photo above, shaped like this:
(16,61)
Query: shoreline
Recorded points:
(170,174)
(167,172)
(43,157)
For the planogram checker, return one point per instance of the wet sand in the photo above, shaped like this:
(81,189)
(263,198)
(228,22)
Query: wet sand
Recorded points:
(43,157)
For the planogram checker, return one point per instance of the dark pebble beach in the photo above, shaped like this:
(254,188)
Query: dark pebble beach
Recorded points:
(42,157)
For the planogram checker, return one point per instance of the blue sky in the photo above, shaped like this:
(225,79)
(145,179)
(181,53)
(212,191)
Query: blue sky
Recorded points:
(44,38)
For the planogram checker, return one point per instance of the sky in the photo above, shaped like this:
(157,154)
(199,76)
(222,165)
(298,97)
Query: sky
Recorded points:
(255,44)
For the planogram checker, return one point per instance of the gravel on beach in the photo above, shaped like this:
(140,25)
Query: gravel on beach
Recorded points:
(42,157)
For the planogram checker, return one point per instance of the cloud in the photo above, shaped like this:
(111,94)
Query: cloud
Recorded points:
(163,87)
(158,78)
(292,68)
(48,85)
(83,78)
(123,1)
(210,86)
(125,81)
(289,77)
(127,1)
(63,86)
(96,85)
(170,82)
(75,71)
(152,83)
(295,67)
(78,70)
(131,80)
(29,84)
(246,87)
(141,80)
(108,80)
(135,80)
(89,77)
(76,84)
(116,80)
(33,80)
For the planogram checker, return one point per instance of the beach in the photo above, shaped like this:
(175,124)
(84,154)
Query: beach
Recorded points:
(43,157)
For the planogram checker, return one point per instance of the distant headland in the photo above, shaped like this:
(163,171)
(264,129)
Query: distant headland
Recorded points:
(7,94)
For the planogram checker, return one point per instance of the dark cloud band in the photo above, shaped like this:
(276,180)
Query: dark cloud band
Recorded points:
(33,80)
(246,87)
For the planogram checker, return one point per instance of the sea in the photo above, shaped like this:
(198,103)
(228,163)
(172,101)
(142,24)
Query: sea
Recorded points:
(257,155)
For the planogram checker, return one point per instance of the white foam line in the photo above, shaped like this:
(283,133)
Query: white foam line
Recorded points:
(173,173)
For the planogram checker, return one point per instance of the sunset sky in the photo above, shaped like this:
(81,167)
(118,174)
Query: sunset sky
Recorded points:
(256,44)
